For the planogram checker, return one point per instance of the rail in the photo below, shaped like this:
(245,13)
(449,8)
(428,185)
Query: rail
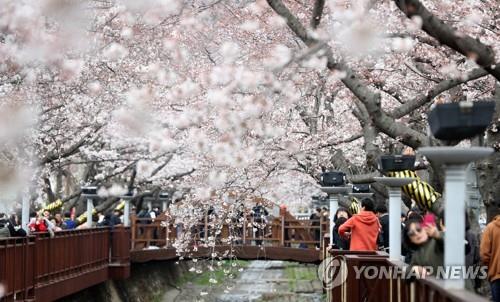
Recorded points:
(389,286)
(281,231)
(42,268)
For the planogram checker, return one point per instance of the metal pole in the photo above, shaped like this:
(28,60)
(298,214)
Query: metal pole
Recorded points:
(454,251)
(25,212)
(334,205)
(90,207)
(395,223)
(126,213)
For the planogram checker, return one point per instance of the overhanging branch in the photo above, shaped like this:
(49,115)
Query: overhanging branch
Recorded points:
(441,87)
(447,35)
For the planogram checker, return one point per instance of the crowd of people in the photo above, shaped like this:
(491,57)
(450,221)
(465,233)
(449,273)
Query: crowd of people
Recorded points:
(50,222)
(10,226)
(423,240)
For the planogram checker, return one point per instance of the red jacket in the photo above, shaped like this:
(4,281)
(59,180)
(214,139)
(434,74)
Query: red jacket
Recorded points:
(364,228)
(38,226)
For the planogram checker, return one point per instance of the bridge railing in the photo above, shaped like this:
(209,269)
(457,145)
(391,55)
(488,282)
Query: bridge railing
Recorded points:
(278,231)
(17,268)
(390,285)
(44,268)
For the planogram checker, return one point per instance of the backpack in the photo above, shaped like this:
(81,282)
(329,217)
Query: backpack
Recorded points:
(4,232)
(144,214)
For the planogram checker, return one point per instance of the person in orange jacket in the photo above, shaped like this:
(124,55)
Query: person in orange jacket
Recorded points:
(362,228)
(490,254)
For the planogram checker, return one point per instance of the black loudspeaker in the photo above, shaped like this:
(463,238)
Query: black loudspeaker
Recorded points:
(89,190)
(457,121)
(333,179)
(361,188)
(392,163)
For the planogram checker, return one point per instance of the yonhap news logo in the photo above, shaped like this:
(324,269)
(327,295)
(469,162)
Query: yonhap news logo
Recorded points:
(332,272)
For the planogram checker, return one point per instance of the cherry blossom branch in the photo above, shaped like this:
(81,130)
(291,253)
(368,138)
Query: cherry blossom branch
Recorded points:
(361,90)
(160,167)
(447,35)
(441,87)
(370,134)
(292,21)
(73,149)
(181,175)
(319,5)
(350,139)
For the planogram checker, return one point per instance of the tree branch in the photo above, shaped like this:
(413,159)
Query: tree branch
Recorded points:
(447,35)
(317,13)
(441,87)
(160,167)
(73,149)
(293,23)
(363,178)
(361,90)
(181,175)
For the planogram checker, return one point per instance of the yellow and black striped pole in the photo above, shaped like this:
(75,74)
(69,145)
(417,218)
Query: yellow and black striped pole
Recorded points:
(120,206)
(51,206)
(420,191)
(83,217)
(355,206)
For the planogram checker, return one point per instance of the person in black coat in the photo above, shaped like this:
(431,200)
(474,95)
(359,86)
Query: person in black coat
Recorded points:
(338,241)
(259,214)
(383,218)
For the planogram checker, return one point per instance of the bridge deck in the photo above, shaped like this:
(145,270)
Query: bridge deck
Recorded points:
(241,252)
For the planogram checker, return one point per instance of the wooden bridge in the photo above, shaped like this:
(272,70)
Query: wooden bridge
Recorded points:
(40,268)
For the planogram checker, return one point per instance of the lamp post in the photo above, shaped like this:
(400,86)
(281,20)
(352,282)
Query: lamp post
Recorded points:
(334,197)
(454,122)
(360,196)
(25,211)
(90,193)
(126,209)
(164,198)
(394,185)
(455,161)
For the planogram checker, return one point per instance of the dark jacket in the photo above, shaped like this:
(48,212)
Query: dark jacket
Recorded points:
(384,231)
(258,213)
(339,242)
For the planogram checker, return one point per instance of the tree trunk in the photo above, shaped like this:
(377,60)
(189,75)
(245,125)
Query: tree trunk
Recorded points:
(489,169)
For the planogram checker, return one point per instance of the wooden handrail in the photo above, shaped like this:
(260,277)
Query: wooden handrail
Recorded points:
(279,231)
(393,288)
(66,263)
